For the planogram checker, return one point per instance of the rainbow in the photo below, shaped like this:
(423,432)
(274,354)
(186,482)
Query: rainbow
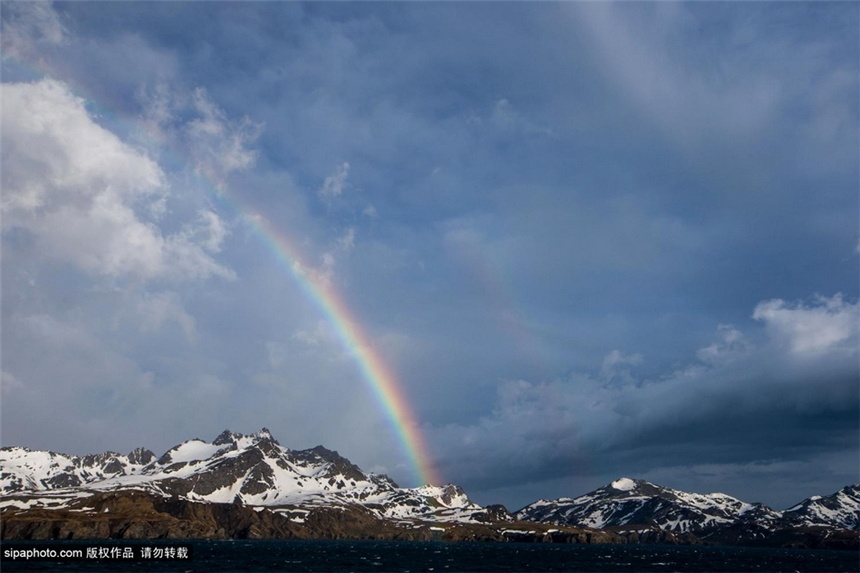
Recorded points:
(383,383)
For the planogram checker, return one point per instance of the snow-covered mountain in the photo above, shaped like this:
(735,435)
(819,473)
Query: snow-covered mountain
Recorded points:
(629,504)
(25,470)
(842,510)
(252,470)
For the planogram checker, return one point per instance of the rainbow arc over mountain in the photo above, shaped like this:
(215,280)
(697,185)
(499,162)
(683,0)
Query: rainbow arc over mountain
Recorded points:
(381,380)
(385,386)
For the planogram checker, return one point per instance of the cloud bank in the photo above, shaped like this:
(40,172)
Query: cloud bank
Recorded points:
(791,392)
(82,196)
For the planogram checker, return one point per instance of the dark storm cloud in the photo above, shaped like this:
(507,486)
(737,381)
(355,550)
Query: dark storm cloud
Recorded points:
(789,393)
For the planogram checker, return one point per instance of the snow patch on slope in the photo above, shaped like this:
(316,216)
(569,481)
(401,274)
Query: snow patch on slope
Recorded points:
(193,450)
(623,484)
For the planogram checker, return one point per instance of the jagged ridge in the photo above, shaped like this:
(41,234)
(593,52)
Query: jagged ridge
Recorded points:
(252,470)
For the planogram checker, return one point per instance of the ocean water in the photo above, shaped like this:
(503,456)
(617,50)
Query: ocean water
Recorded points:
(411,556)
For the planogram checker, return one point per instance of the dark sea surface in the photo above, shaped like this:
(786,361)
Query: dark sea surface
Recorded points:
(413,556)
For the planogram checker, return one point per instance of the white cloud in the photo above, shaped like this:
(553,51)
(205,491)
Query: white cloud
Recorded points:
(830,325)
(613,370)
(324,272)
(78,191)
(320,276)
(209,231)
(731,343)
(25,25)
(52,147)
(159,109)
(370,211)
(334,184)
(219,144)
(216,229)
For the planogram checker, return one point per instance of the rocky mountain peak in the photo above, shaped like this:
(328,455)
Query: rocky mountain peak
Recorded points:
(337,463)
(497,513)
(841,509)
(450,493)
(264,435)
(17,448)
(140,456)
(225,438)
(384,480)
(262,438)
(106,462)
(632,502)
(325,454)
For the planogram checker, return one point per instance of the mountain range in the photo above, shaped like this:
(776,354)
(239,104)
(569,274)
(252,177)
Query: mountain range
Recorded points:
(630,505)
(250,486)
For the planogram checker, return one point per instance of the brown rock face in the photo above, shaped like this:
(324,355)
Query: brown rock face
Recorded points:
(140,515)
(495,514)
(141,456)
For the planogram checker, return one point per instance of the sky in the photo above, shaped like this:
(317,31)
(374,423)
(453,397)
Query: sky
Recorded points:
(587,240)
